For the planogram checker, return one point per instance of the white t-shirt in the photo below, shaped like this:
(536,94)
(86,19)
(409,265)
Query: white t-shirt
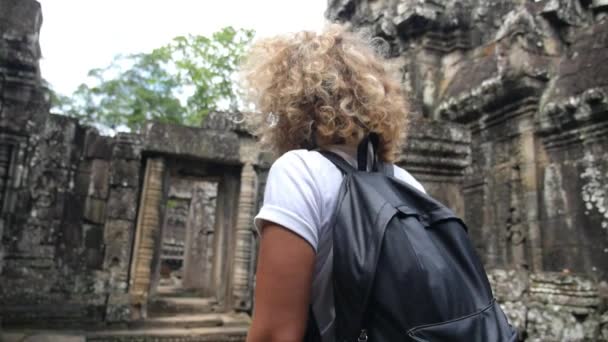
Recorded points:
(301,195)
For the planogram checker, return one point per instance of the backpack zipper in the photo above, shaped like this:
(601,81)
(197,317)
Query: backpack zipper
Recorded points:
(362,336)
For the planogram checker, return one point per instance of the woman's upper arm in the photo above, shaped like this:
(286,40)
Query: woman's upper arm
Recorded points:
(289,222)
(283,286)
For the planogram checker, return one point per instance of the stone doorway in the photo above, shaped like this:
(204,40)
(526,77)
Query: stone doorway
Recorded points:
(186,255)
(185,235)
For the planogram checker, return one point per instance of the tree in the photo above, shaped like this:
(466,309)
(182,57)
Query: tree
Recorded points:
(177,83)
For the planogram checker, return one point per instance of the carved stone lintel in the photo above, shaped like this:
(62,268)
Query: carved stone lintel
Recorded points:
(491,95)
(220,146)
(434,148)
(575,118)
(575,106)
(580,295)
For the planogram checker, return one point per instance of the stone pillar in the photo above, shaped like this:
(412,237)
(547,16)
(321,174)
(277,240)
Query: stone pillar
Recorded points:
(147,236)
(23,100)
(496,94)
(242,273)
(574,182)
(123,175)
(224,244)
(573,127)
(500,187)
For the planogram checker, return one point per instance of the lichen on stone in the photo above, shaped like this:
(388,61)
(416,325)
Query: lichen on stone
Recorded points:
(594,191)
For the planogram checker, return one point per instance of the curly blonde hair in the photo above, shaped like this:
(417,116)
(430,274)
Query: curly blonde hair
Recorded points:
(322,89)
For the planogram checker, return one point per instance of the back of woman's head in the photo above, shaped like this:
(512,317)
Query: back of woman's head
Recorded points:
(315,90)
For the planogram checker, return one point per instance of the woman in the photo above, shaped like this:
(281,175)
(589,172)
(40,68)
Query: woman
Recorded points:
(321,92)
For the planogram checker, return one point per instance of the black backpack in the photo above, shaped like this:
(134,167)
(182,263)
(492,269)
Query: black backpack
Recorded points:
(403,266)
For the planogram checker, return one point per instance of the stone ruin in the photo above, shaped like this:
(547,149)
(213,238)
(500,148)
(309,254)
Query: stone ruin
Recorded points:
(149,236)
(522,88)
(119,236)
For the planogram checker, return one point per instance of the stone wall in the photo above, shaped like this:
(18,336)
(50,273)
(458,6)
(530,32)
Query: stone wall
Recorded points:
(71,201)
(526,82)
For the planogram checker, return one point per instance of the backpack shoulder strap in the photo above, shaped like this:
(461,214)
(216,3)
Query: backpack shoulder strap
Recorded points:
(388,169)
(339,162)
(345,167)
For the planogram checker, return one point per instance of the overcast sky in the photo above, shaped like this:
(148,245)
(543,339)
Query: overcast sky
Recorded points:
(78,35)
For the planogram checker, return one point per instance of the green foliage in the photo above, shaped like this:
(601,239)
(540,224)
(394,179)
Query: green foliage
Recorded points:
(177,83)
(172,203)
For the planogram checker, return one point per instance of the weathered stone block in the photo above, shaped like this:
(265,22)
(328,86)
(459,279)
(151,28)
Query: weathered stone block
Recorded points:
(440,148)
(122,204)
(248,150)
(73,207)
(81,178)
(125,173)
(99,184)
(128,147)
(97,146)
(93,236)
(93,258)
(24,109)
(30,242)
(117,232)
(117,237)
(95,210)
(20,23)
(118,308)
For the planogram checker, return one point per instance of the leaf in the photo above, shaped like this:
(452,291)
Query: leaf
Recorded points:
(180,82)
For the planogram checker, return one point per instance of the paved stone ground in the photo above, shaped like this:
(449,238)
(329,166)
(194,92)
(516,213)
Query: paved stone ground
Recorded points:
(211,334)
(41,336)
(209,327)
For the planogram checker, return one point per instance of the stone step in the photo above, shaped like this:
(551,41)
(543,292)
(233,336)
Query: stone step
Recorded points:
(193,321)
(207,334)
(180,321)
(175,291)
(41,336)
(183,328)
(170,306)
